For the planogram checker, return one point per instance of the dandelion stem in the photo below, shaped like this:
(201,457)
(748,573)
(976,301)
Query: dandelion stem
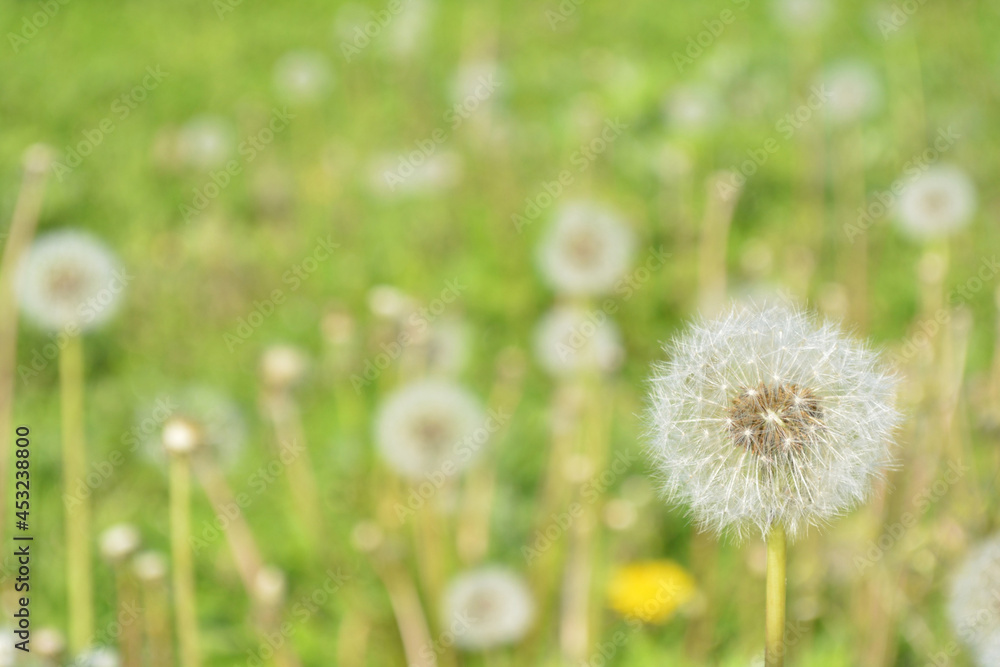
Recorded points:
(180,551)
(774,633)
(21,231)
(78,557)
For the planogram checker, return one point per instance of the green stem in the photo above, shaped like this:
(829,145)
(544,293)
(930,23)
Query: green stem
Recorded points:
(180,551)
(78,557)
(774,633)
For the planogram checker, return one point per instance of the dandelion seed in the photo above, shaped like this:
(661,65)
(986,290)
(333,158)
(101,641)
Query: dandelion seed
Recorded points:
(570,340)
(939,202)
(302,76)
(68,279)
(427,424)
(764,417)
(974,604)
(488,607)
(586,250)
(855,91)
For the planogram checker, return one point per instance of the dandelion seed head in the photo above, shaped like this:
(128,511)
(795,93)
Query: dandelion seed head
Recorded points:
(48,643)
(488,607)
(302,76)
(586,250)
(426,424)
(802,14)
(119,542)
(939,202)
(150,566)
(69,279)
(204,422)
(974,602)
(97,657)
(283,366)
(206,141)
(570,340)
(270,586)
(402,175)
(693,108)
(764,416)
(988,654)
(855,91)
(181,436)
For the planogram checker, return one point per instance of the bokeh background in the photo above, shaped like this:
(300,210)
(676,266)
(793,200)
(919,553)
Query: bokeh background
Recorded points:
(415,166)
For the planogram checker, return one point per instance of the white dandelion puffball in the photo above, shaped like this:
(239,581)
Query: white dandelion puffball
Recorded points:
(119,542)
(198,421)
(693,108)
(937,203)
(974,604)
(150,566)
(97,657)
(410,172)
(802,14)
(68,279)
(430,426)
(570,340)
(283,366)
(206,142)
(988,654)
(764,416)
(488,607)
(854,89)
(586,250)
(302,76)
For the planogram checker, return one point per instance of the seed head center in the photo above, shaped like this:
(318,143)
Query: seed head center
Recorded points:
(772,419)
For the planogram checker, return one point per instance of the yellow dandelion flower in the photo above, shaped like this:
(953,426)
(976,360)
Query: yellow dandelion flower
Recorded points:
(650,591)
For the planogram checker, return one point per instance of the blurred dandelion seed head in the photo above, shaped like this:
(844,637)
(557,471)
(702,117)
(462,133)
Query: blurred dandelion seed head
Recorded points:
(974,604)
(119,542)
(180,436)
(68,279)
(488,607)
(693,108)
(205,422)
(570,340)
(270,586)
(855,91)
(282,367)
(428,424)
(302,76)
(205,142)
(650,591)
(48,643)
(939,202)
(765,417)
(150,566)
(802,14)
(97,657)
(586,250)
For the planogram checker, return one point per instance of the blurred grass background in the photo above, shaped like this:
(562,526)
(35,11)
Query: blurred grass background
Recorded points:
(195,279)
